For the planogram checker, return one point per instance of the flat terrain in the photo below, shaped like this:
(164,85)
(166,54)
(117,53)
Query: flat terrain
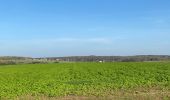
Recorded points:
(86,80)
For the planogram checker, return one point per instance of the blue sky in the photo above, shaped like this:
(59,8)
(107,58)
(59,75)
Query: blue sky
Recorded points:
(41,28)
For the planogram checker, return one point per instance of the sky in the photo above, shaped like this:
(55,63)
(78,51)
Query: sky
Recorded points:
(52,28)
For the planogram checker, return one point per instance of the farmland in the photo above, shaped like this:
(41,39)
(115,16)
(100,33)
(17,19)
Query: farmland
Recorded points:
(84,79)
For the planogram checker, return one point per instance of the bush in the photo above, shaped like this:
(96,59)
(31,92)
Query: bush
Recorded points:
(4,62)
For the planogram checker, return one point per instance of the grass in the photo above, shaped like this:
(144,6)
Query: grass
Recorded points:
(84,79)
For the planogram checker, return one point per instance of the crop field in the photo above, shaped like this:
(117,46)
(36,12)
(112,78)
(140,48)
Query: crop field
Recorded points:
(85,80)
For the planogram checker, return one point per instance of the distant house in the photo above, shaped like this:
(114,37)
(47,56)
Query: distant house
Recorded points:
(101,61)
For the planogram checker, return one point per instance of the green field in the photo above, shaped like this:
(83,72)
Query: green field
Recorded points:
(83,79)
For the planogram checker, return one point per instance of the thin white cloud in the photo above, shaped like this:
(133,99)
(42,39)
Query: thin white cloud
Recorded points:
(83,40)
(64,40)
(155,20)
